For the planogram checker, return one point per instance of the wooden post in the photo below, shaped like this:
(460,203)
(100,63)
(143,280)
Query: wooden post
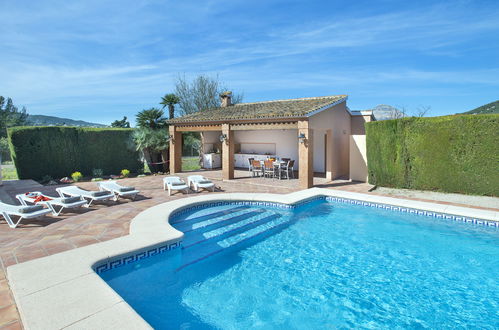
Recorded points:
(329,155)
(175,150)
(228,153)
(306,156)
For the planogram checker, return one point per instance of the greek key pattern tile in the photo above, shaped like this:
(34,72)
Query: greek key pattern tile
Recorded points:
(131,258)
(437,215)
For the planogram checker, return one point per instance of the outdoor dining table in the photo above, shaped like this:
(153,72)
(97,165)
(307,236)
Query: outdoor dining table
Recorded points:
(276,163)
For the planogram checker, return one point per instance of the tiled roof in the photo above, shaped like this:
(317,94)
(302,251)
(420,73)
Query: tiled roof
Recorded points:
(294,108)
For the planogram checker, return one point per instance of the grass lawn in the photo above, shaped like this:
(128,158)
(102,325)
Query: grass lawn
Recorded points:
(9,173)
(190,163)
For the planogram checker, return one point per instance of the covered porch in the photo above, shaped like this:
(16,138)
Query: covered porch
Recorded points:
(237,140)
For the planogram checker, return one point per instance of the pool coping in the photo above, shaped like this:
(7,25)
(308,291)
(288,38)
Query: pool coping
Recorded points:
(64,291)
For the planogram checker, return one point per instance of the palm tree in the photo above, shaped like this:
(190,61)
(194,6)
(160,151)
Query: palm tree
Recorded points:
(170,100)
(151,118)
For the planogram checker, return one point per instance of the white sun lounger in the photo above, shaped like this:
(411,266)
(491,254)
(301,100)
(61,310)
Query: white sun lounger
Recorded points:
(62,202)
(200,182)
(118,190)
(86,194)
(174,183)
(21,211)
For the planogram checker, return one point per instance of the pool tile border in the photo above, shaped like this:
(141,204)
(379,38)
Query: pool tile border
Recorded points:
(128,258)
(135,256)
(438,215)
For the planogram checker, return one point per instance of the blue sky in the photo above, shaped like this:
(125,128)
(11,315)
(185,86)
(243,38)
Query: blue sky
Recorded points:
(100,60)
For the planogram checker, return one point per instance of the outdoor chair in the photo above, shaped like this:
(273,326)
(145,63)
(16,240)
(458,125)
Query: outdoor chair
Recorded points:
(288,169)
(250,167)
(118,190)
(200,182)
(52,203)
(174,183)
(268,168)
(285,159)
(256,168)
(21,211)
(91,196)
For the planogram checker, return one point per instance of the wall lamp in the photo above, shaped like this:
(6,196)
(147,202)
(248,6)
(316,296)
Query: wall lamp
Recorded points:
(302,137)
(223,138)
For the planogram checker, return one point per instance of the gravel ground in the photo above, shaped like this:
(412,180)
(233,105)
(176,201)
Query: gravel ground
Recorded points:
(481,201)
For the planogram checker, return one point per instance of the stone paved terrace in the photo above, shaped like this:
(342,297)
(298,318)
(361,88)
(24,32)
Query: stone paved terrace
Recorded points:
(50,235)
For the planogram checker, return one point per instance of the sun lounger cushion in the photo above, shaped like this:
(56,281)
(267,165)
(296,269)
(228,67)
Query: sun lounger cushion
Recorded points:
(204,181)
(99,193)
(125,189)
(69,200)
(30,209)
(175,184)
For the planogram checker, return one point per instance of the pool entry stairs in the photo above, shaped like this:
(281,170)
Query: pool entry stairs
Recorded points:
(212,233)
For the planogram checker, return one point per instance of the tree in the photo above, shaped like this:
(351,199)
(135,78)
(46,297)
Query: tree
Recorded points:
(151,118)
(124,123)
(422,110)
(170,100)
(201,94)
(151,137)
(9,116)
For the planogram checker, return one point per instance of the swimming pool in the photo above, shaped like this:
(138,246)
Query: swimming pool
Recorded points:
(322,264)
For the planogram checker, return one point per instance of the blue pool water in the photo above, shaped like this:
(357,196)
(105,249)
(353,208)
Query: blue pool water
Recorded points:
(320,265)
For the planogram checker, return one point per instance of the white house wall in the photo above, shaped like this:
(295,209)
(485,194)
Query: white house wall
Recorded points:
(211,139)
(286,141)
(337,119)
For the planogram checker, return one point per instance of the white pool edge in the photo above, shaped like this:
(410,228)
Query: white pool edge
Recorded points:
(63,291)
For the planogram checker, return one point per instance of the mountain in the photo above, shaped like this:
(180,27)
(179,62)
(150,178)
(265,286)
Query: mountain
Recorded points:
(41,120)
(384,112)
(492,107)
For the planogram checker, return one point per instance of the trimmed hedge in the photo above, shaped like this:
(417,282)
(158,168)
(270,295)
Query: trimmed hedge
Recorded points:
(60,151)
(451,154)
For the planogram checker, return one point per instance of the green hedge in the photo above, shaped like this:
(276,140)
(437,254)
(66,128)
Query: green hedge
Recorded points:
(59,151)
(452,153)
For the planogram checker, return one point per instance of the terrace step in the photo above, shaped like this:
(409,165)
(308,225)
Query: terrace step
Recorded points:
(258,225)
(211,220)
(235,225)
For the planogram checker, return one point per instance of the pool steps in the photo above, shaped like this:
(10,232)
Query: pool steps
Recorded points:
(226,232)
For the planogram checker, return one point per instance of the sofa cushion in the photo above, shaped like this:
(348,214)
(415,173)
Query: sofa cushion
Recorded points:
(99,193)
(125,189)
(69,200)
(30,209)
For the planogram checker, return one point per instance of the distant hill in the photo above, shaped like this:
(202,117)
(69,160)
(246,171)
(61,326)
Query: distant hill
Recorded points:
(41,120)
(492,107)
(384,112)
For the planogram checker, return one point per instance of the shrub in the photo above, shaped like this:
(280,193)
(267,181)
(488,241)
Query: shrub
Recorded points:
(56,151)
(97,179)
(46,179)
(97,173)
(450,154)
(76,176)
(125,173)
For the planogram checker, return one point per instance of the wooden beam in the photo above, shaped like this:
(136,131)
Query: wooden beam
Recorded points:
(175,150)
(199,128)
(306,156)
(228,153)
(264,126)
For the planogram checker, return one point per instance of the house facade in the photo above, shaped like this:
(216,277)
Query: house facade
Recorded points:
(320,133)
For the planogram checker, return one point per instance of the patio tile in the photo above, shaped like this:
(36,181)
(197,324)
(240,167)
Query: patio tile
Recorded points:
(5,298)
(8,315)
(12,326)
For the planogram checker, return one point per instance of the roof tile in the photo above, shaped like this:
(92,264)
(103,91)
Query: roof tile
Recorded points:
(293,108)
